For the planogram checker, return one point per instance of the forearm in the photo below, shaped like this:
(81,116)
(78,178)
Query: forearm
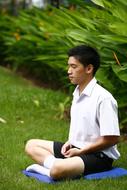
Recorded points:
(101,144)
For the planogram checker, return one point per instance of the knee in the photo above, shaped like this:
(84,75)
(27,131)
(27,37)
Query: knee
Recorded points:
(57,171)
(29,147)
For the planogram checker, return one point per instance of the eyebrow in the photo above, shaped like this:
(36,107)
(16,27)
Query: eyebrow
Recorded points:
(71,63)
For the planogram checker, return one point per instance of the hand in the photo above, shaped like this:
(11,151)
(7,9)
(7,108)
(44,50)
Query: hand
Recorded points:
(65,148)
(72,152)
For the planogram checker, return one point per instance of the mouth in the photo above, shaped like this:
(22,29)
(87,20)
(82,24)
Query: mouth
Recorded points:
(70,77)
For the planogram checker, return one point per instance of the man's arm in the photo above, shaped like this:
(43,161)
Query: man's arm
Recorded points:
(101,144)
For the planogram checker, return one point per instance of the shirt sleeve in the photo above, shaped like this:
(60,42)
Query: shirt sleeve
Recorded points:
(108,118)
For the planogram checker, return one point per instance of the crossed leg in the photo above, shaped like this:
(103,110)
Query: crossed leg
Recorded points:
(40,150)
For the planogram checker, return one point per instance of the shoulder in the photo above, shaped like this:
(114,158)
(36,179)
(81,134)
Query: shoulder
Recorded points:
(103,94)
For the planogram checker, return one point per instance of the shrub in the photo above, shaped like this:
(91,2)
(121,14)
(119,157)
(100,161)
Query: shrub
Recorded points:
(39,40)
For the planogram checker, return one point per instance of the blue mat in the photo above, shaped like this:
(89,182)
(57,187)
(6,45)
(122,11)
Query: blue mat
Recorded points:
(39,177)
(113,173)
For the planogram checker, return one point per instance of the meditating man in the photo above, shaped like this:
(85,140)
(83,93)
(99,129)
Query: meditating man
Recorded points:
(94,129)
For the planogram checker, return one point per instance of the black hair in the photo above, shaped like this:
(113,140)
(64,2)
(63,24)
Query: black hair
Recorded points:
(86,55)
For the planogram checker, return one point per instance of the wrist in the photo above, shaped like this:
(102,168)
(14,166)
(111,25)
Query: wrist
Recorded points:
(83,151)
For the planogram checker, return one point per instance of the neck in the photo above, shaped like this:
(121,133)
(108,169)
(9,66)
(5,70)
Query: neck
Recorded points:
(84,84)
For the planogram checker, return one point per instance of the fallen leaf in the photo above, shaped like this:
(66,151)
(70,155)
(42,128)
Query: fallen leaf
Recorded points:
(21,121)
(2,120)
(36,102)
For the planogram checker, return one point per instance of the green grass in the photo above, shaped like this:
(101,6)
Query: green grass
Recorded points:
(26,119)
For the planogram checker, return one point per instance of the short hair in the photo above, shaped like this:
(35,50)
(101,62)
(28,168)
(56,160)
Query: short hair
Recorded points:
(86,55)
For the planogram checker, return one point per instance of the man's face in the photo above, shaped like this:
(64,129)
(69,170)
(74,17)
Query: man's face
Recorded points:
(76,71)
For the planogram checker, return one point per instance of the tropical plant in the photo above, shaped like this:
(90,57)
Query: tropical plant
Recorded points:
(40,40)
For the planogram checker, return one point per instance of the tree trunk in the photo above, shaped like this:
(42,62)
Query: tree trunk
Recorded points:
(14,7)
(55,3)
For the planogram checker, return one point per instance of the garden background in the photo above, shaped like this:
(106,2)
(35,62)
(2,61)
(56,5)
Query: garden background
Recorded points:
(34,44)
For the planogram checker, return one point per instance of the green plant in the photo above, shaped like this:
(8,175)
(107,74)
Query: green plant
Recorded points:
(39,41)
(63,111)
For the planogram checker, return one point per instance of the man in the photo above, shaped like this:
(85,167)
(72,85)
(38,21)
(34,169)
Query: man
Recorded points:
(94,130)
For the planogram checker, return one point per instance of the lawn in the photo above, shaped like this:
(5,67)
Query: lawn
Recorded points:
(32,112)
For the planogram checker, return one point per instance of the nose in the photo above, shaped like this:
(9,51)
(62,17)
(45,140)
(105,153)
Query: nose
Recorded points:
(69,71)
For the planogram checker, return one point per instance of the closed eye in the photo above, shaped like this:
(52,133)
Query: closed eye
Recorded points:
(72,66)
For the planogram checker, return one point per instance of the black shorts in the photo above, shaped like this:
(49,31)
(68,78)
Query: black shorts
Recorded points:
(94,162)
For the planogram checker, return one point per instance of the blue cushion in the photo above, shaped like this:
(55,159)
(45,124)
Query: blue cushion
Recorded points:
(113,173)
(39,177)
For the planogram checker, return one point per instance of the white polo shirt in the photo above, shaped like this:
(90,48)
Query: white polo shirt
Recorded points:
(93,114)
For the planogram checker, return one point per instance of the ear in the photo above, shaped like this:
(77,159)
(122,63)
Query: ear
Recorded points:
(89,69)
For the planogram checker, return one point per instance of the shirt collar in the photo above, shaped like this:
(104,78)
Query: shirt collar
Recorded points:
(87,90)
